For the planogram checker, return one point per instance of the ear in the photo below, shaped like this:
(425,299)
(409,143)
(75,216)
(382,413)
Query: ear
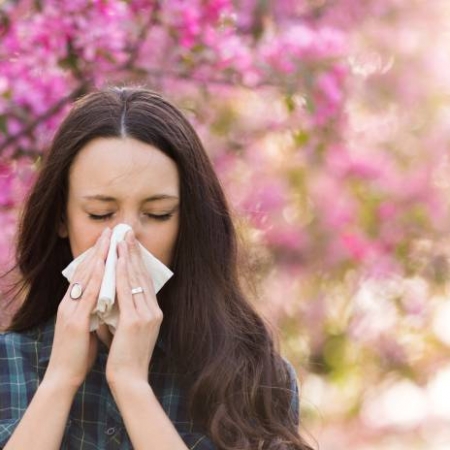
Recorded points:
(62,229)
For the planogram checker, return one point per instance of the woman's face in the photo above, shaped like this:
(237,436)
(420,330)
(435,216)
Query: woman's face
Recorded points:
(114,180)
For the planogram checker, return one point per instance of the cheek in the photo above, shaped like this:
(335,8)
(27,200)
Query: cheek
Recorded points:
(161,244)
(82,238)
(79,246)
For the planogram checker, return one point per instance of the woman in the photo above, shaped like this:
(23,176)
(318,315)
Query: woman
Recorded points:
(193,368)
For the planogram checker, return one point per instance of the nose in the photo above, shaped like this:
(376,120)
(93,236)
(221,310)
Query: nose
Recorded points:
(133,221)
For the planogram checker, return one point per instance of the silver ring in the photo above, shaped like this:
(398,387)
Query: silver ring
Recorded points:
(76,291)
(137,290)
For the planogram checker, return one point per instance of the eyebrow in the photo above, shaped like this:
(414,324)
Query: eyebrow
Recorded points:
(108,199)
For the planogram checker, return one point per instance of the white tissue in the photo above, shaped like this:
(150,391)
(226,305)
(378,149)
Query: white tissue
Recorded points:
(106,310)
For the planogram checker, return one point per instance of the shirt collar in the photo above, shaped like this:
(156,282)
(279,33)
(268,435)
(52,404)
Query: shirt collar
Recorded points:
(47,331)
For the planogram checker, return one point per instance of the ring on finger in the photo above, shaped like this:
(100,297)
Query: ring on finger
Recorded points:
(137,290)
(76,291)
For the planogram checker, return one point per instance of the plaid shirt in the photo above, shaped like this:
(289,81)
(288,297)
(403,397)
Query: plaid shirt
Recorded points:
(94,420)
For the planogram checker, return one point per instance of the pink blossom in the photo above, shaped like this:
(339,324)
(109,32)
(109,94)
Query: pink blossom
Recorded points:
(335,207)
(297,44)
(8,225)
(287,238)
(345,163)
(6,185)
(264,197)
(328,96)
(15,179)
(357,246)
(387,211)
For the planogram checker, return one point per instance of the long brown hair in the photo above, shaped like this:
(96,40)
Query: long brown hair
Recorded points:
(238,384)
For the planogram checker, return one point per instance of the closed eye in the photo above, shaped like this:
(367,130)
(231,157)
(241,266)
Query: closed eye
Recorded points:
(160,217)
(100,217)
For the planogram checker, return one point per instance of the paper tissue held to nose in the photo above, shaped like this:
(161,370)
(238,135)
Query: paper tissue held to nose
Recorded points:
(106,310)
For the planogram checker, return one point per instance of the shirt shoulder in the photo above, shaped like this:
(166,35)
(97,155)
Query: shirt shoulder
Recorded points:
(20,354)
(25,344)
(19,376)
(13,344)
(17,350)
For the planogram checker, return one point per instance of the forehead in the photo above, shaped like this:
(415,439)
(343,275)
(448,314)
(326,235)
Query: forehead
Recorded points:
(121,167)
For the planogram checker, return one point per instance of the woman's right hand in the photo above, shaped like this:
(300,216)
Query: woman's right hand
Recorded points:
(74,347)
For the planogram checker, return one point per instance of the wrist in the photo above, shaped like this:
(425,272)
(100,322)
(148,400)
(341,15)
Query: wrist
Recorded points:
(59,395)
(129,387)
(59,385)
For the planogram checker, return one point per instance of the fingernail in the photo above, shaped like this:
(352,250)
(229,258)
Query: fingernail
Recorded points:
(130,236)
(106,231)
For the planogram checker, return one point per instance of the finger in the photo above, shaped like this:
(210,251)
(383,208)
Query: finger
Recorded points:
(92,266)
(104,242)
(138,274)
(134,252)
(97,272)
(140,299)
(134,255)
(79,281)
(124,297)
(84,270)
(92,289)
(81,274)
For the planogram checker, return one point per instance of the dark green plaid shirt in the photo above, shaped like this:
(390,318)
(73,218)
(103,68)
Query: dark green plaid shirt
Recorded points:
(94,420)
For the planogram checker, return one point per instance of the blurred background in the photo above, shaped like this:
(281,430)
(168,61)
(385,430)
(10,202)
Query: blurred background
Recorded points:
(328,122)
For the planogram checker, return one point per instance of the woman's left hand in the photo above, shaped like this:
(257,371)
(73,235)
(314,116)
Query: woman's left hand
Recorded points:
(139,321)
